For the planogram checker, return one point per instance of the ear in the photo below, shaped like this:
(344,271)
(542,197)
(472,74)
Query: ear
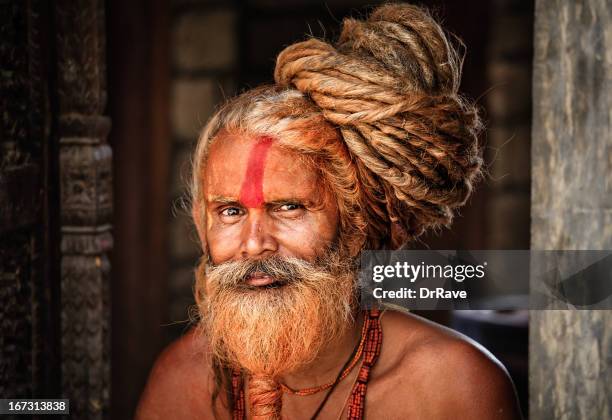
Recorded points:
(399,236)
(355,245)
(199,220)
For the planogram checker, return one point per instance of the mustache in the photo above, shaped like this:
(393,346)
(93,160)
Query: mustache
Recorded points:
(283,269)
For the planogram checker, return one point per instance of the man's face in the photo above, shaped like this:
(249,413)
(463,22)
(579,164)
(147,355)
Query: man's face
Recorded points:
(263,200)
(275,287)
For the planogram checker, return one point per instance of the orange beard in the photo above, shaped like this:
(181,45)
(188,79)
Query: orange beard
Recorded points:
(273,331)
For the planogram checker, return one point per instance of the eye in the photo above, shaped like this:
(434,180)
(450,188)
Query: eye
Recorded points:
(231,212)
(290,210)
(290,207)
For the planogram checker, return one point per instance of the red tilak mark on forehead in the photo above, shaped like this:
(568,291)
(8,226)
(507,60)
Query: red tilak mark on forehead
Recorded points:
(251,192)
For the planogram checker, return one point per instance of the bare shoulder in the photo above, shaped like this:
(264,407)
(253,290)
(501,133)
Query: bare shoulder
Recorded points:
(181,382)
(440,373)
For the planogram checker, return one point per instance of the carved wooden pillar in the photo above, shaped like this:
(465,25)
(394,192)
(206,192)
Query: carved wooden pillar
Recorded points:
(570,352)
(86,206)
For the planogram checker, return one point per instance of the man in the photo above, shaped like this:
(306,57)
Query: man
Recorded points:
(361,145)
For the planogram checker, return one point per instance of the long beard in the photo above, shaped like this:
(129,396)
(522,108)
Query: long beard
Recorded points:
(274,331)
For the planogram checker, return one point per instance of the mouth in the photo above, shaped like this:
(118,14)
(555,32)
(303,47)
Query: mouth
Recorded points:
(259,279)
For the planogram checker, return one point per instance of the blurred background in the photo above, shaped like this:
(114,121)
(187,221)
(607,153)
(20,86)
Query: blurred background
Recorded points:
(171,63)
(85,214)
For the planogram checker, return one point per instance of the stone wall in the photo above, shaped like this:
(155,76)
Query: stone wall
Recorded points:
(570,372)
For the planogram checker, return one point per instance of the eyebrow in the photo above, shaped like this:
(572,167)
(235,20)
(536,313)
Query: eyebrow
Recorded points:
(223,199)
(233,200)
(293,199)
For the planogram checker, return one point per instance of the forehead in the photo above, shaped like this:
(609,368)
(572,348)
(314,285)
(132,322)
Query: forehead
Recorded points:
(234,158)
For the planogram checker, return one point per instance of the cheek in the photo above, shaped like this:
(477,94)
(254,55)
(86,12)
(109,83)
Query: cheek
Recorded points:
(222,243)
(306,238)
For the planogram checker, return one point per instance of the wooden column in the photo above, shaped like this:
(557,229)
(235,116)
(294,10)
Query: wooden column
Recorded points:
(138,99)
(85,206)
(570,374)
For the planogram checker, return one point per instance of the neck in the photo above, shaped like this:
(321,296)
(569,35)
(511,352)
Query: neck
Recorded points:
(327,365)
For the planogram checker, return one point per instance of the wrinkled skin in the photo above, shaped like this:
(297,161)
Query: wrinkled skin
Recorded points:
(296,218)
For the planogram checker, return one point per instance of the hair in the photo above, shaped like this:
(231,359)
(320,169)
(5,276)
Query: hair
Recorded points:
(379,115)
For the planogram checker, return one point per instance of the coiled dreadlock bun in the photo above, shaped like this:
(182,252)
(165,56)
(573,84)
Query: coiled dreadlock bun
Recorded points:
(390,85)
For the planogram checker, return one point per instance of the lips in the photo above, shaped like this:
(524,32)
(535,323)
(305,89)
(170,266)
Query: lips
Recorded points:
(259,279)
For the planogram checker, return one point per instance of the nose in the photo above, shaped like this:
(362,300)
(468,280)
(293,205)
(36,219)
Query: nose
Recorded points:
(257,239)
